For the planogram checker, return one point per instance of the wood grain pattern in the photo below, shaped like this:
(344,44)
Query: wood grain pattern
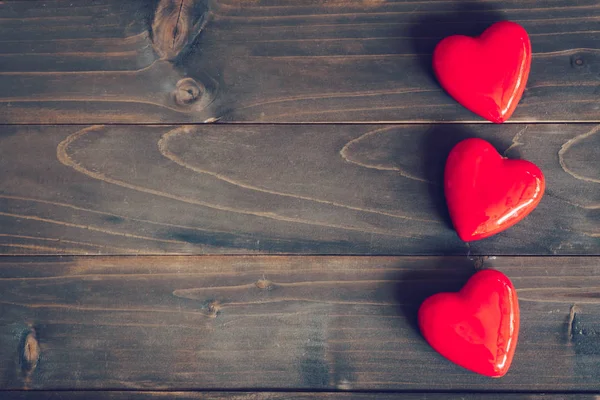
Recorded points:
(73,61)
(62,395)
(247,322)
(293,327)
(318,189)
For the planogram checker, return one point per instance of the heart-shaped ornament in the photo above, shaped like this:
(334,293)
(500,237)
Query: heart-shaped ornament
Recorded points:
(486,74)
(487,193)
(477,327)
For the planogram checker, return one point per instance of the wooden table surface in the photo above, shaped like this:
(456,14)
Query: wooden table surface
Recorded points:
(242,199)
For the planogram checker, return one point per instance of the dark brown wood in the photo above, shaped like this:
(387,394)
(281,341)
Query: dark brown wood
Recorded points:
(247,322)
(72,61)
(323,189)
(300,323)
(284,395)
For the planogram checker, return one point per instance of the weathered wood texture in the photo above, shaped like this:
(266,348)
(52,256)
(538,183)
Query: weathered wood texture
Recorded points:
(228,322)
(320,189)
(25,395)
(76,61)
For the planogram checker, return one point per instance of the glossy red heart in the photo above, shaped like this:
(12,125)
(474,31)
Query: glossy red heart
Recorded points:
(487,193)
(476,328)
(486,74)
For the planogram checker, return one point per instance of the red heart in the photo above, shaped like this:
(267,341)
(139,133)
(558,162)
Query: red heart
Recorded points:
(486,74)
(487,193)
(476,328)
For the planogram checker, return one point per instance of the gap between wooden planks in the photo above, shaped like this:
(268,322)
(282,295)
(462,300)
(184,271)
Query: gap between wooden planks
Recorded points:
(65,395)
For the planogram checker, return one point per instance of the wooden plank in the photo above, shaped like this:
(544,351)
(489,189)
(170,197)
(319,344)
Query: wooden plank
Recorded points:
(279,322)
(63,395)
(317,189)
(73,61)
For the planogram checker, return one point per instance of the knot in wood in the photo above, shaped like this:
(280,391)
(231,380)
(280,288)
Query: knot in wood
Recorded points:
(577,61)
(213,308)
(263,284)
(176,24)
(187,91)
(30,353)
